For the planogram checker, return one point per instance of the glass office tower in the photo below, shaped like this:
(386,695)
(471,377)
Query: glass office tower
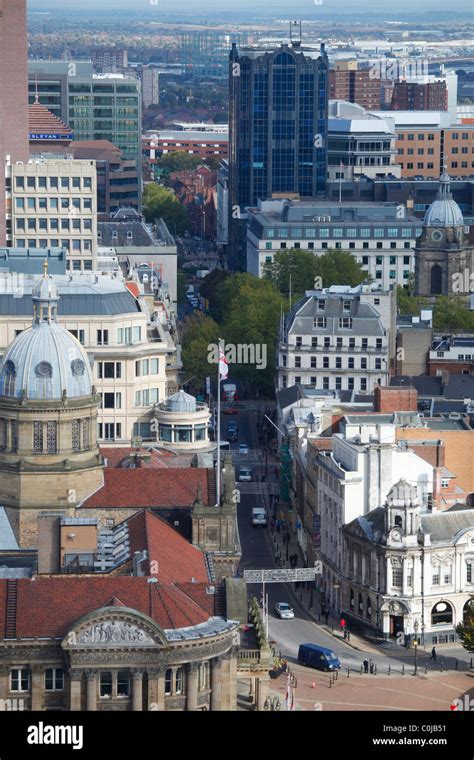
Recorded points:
(278,128)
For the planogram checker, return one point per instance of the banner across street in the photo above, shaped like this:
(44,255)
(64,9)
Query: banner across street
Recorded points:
(281,575)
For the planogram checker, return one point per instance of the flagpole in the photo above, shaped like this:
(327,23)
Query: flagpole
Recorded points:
(218,473)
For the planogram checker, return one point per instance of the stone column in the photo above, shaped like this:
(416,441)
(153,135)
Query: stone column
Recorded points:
(91,677)
(137,690)
(37,688)
(225,683)
(192,687)
(75,688)
(216,684)
(156,689)
(262,693)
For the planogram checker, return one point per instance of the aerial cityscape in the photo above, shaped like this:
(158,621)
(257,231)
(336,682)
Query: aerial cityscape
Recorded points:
(237,367)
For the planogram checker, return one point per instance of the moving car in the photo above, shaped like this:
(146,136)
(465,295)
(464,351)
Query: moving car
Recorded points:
(318,657)
(229,409)
(245,474)
(284,611)
(259,517)
(232,433)
(243,448)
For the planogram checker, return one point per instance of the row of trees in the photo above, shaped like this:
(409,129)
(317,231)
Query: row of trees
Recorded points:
(449,312)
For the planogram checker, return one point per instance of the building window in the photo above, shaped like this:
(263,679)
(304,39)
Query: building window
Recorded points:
(436,576)
(469,571)
(75,435)
(320,322)
(345,323)
(86,435)
(448,574)
(14,436)
(313,362)
(51,437)
(54,679)
(298,362)
(179,681)
(102,337)
(37,437)
(397,577)
(105,684)
(20,679)
(123,683)
(168,682)
(442,614)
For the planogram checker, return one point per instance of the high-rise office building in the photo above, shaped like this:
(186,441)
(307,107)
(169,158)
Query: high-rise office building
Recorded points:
(96,106)
(13,96)
(278,129)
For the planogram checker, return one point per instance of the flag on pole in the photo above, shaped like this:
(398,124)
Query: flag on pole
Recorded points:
(223,365)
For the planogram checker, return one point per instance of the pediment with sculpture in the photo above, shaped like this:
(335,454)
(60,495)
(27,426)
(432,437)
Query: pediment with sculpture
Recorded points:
(115,628)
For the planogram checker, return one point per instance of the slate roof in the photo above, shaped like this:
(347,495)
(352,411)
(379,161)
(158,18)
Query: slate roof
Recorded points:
(444,526)
(150,488)
(365,319)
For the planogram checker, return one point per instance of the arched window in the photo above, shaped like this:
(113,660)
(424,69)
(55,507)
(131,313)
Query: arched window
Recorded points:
(360,605)
(9,378)
(368,608)
(351,599)
(398,521)
(436,279)
(468,611)
(442,614)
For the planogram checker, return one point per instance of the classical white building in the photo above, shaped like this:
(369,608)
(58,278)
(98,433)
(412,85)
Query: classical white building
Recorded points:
(408,571)
(333,340)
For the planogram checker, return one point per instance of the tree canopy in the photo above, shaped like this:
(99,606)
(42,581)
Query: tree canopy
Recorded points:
(465,630)
(308,271)
(158,202)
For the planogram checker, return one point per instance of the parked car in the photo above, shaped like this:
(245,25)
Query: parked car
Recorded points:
(259,517)
(284,611)
(245,474)
(229,409)
(318,657)
(243,449)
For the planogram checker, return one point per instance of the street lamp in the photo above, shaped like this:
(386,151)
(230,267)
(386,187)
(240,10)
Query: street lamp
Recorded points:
(415,644)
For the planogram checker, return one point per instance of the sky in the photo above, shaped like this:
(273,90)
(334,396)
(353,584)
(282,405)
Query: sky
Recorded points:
(267,7)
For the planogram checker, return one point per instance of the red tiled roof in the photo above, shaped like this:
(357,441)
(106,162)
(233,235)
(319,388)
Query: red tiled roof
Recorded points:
(48,606)
(142,488)
(42,121)
(119,456)
(177,560)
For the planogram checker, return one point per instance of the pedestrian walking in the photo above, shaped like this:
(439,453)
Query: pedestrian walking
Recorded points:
(433,654)
(371,667)
(366,666)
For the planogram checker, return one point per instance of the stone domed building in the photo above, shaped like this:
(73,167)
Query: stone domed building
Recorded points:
(443,256)
(49,456)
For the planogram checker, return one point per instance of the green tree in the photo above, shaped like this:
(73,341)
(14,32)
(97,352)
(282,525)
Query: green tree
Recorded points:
(199,331)
(251,318)
(178,161)
(209,290)
(452,313)
(296,268)
(304,267)
(465,630)
(408,303)
(160,203)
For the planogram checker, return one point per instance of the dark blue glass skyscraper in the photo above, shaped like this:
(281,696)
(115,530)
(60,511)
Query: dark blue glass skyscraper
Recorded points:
(278,127)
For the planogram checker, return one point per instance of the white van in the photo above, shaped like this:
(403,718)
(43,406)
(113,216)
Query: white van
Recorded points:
(259,517)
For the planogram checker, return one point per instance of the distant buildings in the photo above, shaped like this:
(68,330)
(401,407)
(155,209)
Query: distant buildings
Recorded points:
(150,85)
(118,179)
(430,95)
(156,144)
(108,60)
(380,236)
(355,85)
(333,341)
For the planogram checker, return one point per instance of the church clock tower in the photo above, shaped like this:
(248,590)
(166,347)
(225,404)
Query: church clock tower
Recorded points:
(443,257)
